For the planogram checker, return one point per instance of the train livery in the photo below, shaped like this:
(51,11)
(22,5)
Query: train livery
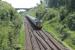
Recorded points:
(36,22)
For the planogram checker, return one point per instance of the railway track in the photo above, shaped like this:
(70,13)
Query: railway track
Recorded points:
(40,39)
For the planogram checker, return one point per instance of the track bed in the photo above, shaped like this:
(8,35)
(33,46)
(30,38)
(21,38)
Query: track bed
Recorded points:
(39,39)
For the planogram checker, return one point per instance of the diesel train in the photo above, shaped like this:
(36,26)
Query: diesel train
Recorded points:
(36,22)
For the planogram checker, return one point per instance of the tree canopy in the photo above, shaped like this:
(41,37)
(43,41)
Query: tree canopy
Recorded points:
(10,23)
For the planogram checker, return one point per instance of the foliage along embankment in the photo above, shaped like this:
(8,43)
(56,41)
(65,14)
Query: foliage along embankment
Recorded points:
(10,26)
(60,21)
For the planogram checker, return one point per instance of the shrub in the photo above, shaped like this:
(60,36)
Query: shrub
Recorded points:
(10,23)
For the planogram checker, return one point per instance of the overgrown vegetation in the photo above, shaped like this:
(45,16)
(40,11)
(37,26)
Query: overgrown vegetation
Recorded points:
(10,26)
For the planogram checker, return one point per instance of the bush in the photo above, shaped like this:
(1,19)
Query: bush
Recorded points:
(70,21)
(10,23)
(63,13)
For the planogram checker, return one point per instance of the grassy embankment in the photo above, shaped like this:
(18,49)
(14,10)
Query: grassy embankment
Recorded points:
(21,39)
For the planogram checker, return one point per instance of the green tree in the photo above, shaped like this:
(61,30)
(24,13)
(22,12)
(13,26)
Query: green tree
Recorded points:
(10,23)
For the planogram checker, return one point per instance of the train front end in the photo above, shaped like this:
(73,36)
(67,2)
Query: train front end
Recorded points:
(38,23)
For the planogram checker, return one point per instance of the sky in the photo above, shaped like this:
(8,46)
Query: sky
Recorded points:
(23,3)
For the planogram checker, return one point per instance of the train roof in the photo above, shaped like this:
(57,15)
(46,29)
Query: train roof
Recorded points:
(31,17)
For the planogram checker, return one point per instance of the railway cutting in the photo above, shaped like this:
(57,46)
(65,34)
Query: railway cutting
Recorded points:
(40,39)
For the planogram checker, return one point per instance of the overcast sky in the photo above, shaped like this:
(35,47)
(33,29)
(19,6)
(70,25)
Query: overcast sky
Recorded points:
(23,3)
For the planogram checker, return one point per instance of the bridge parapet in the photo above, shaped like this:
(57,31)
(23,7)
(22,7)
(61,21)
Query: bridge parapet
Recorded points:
(22,8)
